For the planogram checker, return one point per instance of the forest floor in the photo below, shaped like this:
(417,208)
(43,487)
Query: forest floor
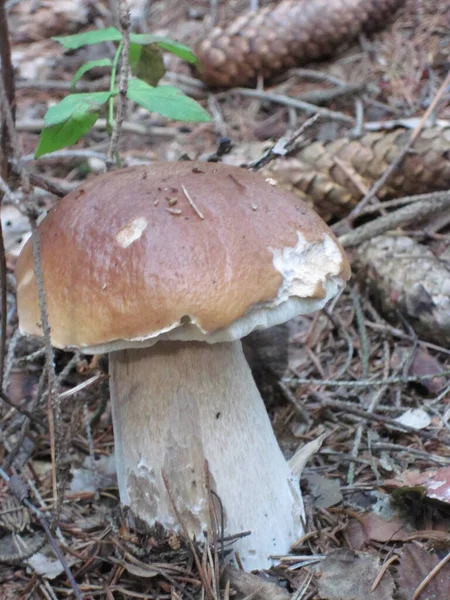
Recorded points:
(374,389)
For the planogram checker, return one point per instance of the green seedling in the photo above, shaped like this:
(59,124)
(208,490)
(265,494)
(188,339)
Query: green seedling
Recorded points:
(70,119)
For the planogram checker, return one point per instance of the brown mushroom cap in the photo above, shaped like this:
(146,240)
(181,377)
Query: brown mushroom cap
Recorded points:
(182,250)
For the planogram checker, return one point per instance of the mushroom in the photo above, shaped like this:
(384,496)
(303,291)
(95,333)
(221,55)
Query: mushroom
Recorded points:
(166,267)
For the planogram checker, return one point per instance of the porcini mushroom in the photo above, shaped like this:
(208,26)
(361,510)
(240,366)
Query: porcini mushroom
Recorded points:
(166,267)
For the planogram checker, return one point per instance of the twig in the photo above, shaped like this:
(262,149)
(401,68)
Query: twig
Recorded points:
(124,20)
(343,332)
(22,411)
(82,386)
(435,203)
(22,361)
(372,382)
(7,76)
(37,125)
(364,414)
(289,395)
(7,112)
(54,404)
(383,446)
(282,147)
(3,304)
(327,95)
(48,185)
(60,86)
(363,337)
(192,203)
(316,76)
(9,359)
(293,102)
(382,571)
(430,576)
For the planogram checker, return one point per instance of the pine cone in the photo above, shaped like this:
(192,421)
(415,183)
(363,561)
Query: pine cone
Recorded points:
(323,171)
(404,276)
(276,38)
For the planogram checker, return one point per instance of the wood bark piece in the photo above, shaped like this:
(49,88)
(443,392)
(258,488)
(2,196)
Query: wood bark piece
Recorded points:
(405,276)
(325,173)
(284,35)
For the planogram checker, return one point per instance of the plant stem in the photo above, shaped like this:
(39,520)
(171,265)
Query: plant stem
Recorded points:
(112,87)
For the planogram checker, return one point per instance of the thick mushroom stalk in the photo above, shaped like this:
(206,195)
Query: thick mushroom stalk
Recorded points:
(178,403)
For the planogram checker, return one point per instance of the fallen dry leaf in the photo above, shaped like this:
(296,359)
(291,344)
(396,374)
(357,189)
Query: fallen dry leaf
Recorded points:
(435,482)
(247,585)
(326,492)
(417,418)
(47,566)
(347,575)
(425,364)
(415,564)
(372,527)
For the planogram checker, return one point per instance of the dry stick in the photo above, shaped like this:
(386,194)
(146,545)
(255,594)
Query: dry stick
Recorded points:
(8,99)
(7,76)
(282,147)
(357,412)
(54,405)
(192,203)
(37,125)
(440,460)
(47,184)
(293,102)
(430,576)
(124,20)
(23,411)
(382,571)
(60,86)
(372,382)
(3,304)
(417,210)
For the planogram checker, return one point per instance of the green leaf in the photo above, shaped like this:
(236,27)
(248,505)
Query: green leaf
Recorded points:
(166,100)
(180,50)
(76,104)
(72,42)
(101,62)
(64,134)
(135,55)
(150,66)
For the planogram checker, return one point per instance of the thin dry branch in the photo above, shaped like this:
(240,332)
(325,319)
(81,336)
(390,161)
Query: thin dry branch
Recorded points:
(433,204)
(124,20)
(293,103)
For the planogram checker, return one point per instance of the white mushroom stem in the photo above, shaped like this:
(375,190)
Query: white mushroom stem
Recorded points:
(175,405)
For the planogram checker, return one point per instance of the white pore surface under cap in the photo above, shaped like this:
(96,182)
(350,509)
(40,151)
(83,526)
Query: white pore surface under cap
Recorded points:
(304,267)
